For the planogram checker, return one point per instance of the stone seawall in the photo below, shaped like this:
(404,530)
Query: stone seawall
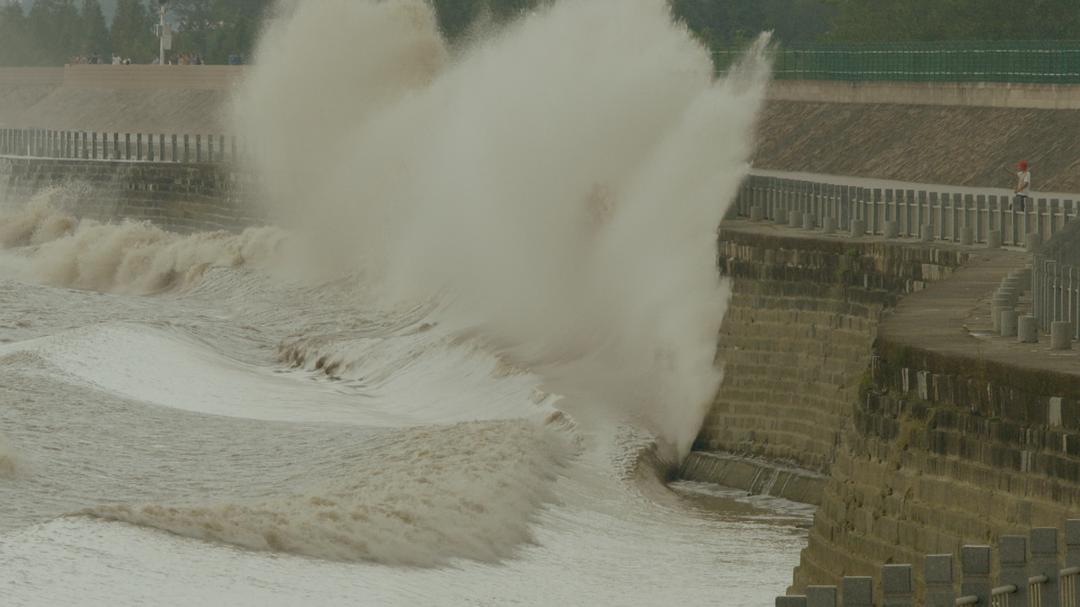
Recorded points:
(179,197)
(950,442)
(867,363)
(795,345)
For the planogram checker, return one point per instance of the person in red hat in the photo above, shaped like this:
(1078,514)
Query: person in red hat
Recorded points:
(1022,190)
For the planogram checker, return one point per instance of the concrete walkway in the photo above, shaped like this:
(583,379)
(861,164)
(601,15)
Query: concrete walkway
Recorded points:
(952,317)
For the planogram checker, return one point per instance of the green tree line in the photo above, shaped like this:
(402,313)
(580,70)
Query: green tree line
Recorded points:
(54,31)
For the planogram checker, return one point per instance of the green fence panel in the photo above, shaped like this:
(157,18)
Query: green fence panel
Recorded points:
(1036,61)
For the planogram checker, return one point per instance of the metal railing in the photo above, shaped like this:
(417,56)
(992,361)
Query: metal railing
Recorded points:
(127,147)
(1031,572)
(1056,281)
(1051,62)
(930,214)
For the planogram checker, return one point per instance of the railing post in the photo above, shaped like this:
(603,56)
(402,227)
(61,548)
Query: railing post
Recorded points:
(149,147)
(221,148)
(874,219)
(981,209)
(896,584)
(127,146)
(1044,561)
(975,573)
(858,592)
(1040,207)
(161,147)
(198,148)
(922,211)
(187,149)
(821,596)
(1072,555)
(175,158)
(1012,555)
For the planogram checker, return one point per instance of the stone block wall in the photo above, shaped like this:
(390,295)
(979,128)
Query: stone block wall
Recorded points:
(920,451)
(179,197)
(943,451)
(796,342)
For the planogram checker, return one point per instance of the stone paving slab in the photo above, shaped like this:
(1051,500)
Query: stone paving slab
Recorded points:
(952,317)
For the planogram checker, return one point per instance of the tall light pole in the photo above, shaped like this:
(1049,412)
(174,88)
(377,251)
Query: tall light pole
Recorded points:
(164,35)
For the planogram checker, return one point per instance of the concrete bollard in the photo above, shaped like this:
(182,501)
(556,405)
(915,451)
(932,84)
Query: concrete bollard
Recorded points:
(896,586)
(1008,322)
(780,217)
(892,229)
(795,219)
(926,233)
(975,572)
(828,225)
(821,596)
(993,239)
(1072,554)
(858,228)
(967,236)
(1012,554)
(791,601)
(997,304)
(1061,335)
(1027,330)
(938,575)
(858,592)
(1007,294)
(1033,242)
(1043,544)
(809,221)
(757,213)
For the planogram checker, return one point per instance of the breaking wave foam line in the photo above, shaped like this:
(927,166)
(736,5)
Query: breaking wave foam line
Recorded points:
(422,497)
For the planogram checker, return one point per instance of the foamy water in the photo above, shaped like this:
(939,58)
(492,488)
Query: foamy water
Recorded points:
(455,374)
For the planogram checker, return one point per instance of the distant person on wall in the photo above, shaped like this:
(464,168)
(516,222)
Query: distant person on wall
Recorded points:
(1022,190)
(116,59)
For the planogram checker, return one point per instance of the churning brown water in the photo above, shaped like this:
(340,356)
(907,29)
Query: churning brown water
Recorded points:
(489,311)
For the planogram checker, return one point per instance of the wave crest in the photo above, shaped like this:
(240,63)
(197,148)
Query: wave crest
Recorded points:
(420,498)
(128,257)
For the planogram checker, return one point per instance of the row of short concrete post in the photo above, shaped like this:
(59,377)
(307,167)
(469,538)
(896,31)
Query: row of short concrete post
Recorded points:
(1031,572)
(891,230)
(148,147)
(957,217)
(1056,299)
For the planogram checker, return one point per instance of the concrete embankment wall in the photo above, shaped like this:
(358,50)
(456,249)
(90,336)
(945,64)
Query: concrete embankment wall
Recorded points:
(178,197)
(795,344)
(917,449)
(123,98)
(966,135)
(943,450)
(22,88)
